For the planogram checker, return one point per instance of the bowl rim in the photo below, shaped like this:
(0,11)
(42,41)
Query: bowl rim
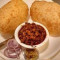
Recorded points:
(29,46)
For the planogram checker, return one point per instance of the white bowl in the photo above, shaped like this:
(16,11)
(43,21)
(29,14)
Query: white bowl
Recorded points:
(40,47)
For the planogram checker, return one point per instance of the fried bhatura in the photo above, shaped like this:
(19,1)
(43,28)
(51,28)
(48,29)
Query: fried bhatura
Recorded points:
(48,14)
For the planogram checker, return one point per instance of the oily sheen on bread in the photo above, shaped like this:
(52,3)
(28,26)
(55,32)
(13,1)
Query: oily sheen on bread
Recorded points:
(48,14)
(11,15)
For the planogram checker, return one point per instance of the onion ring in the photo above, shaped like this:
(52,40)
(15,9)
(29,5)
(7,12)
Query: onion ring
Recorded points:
(13,49)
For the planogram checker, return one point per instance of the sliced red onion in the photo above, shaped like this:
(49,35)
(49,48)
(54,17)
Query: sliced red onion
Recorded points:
(13,49)
(12,44)
(10,55)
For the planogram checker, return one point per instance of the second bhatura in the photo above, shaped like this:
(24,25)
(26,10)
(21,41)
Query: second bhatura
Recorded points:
(48,14)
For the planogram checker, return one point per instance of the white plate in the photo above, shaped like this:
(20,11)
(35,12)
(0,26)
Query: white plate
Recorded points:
(54,42)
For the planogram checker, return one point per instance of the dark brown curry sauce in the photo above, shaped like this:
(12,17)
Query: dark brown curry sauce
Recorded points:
(32,34)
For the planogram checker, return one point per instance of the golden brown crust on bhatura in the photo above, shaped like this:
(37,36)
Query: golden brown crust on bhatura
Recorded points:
(47,13)
(11,15)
